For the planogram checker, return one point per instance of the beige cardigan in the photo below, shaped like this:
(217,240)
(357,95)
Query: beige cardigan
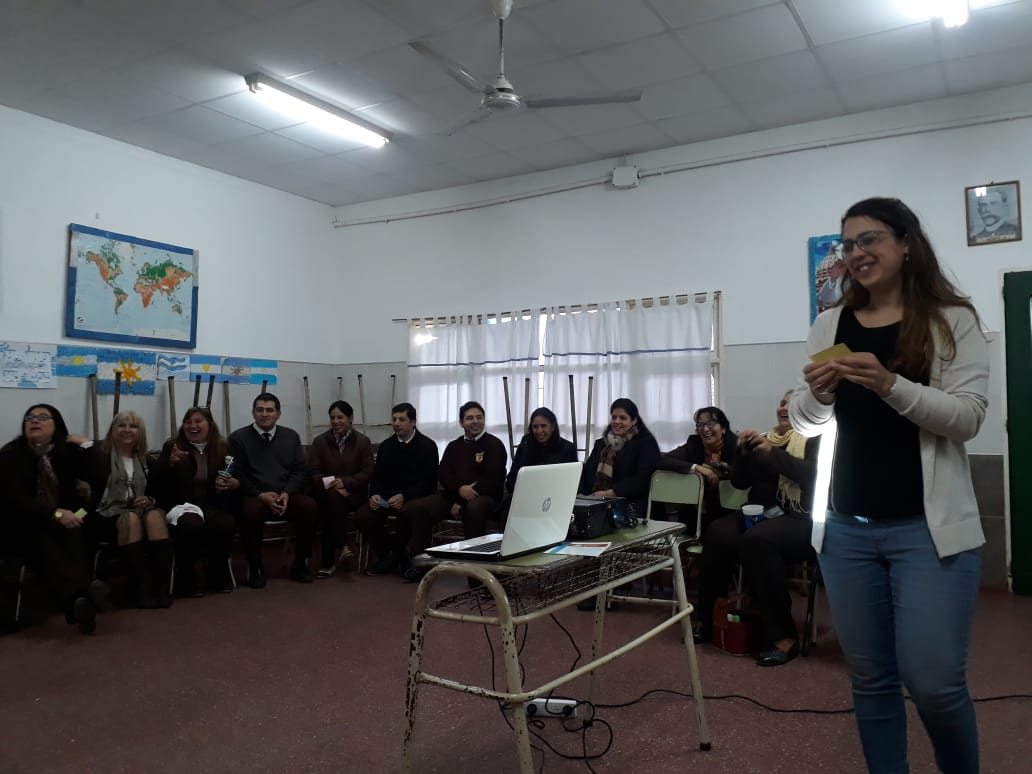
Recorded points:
(948,412)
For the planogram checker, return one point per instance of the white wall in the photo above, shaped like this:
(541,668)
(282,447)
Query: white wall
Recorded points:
(735,224)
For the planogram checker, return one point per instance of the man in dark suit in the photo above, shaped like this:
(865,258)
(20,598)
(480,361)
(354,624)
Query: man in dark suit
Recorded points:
(270,476)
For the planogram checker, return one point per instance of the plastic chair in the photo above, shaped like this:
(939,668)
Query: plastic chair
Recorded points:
(681,489)
(732,499)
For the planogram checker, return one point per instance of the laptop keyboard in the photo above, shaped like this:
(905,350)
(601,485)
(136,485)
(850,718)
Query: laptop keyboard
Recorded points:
(490,547)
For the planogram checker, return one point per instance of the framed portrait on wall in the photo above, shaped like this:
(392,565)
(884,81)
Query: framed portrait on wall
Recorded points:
(993,213)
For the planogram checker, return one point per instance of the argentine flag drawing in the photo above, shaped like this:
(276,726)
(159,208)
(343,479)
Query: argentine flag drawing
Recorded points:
(176,366)
(75,361)
(138,367)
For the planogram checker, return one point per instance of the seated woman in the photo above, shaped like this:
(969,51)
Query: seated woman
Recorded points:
(542,445)
(185,472)
(124,511)
(38,519)
(780,469)
(623,460)
(711,451)
(341,462)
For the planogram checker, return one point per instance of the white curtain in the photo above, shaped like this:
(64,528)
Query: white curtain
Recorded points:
(465,359)
(658,356)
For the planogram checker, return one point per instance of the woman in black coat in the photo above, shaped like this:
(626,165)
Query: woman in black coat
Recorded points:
(542,445)
(623,460)
(41,518)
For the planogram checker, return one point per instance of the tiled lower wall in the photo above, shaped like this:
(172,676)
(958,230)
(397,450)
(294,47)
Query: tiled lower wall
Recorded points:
(987,475)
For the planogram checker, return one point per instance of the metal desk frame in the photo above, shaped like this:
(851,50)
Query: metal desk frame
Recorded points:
(538,585)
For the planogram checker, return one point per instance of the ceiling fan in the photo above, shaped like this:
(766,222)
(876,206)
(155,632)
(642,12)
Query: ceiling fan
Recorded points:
(498,95)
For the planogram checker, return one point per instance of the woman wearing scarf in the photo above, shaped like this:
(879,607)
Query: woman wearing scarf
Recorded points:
(779,469)
(623,459)
(40,519)
(183,476)
(341,462)
(711,452)
(123,510)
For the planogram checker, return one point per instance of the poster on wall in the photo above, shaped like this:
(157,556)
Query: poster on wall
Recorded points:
(993,213)
(27,366)
(827,268)
(124,288)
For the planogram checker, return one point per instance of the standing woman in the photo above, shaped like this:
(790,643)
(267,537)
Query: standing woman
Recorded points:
(542,445)
(623,459)
(341,462)
(124,511)
(899,547)
(186,472)
(38,520)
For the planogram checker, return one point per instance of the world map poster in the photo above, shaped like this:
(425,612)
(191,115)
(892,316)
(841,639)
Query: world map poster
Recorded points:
(123,288)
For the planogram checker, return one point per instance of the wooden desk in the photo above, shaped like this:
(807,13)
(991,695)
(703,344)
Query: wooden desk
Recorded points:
(538,585)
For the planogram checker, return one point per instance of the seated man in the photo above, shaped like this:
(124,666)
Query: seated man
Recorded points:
(269,475)
(472,472)
(404,484)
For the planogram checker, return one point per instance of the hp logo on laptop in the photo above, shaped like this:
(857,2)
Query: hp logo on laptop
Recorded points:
(546,505)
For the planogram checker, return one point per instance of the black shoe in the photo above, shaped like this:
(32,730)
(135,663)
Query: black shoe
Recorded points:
(385,566)
(256,577)
(414,574)
(776,656)
(85,614)
(701,635)
(219,583)
(100,595)
(300,572)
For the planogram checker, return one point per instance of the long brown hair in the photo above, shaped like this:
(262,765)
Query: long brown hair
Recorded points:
(926,290)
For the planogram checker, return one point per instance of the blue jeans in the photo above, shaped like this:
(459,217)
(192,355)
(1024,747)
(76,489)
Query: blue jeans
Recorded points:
(903,617)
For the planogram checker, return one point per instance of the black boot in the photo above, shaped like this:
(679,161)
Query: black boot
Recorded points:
(136,553)
(161,555)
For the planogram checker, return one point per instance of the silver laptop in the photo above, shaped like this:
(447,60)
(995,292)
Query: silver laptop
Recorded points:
(539,516)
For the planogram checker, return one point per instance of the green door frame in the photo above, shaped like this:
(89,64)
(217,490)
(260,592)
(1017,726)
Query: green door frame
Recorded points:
(1017,326)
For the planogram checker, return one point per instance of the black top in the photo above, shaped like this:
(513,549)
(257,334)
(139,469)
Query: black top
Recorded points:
(408,469)
(530,453)
(760,474)
(633,467)
(23,507)
(877,470)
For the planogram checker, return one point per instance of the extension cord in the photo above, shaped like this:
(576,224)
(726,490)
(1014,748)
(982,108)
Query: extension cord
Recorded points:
(552,708)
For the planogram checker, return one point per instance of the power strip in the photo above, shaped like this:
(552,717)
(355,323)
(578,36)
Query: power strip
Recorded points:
(552,708)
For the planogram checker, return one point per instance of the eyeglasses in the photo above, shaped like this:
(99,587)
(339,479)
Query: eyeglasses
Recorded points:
(707,425)
(864,241)
(38,417)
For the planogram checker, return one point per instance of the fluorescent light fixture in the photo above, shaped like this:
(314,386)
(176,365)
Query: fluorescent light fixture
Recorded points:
(953,13)
(312,110)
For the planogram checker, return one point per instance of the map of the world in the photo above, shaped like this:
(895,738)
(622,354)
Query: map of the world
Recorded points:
(123,288)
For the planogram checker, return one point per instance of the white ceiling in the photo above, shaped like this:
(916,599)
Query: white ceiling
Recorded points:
(168,75)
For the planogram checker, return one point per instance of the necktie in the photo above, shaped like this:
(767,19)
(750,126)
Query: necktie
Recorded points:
(267,437)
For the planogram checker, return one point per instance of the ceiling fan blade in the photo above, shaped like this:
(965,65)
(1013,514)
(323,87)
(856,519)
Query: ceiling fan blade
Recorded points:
(480,115)
(450,66)
(615,98)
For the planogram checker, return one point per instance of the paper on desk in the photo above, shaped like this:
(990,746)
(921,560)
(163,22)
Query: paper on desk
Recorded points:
(579,549)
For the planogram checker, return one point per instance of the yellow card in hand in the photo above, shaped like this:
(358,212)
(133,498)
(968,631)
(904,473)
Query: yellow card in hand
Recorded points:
(839,350)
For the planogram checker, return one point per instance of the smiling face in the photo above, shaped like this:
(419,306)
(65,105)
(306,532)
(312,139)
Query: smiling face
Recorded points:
(340,422)
(196,427)
(709,429)
(620,422)
(542,429)
(125,432)
(877,255)
(473,422)
(265,414)
(38,426)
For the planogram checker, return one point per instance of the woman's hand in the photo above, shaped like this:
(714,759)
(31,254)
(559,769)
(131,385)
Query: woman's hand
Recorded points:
(709,474)
(822,379)
(865,369)
(143,502)
(604,493)
(68,519)
(177,454)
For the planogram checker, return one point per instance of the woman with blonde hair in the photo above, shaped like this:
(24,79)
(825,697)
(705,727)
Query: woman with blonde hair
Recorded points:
(123,510)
